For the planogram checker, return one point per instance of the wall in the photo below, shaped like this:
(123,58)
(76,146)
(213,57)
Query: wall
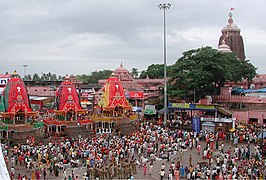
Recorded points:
(246,115)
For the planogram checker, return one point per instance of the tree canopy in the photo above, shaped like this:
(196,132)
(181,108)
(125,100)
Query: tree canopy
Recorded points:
(155,71)
(134,72)
(94,77)
(204,71)
(44,77)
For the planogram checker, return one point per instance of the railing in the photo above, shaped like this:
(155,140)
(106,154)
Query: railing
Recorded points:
(238,98)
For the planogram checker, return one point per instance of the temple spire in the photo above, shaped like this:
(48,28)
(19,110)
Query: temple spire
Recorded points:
(232,38)
(230,20)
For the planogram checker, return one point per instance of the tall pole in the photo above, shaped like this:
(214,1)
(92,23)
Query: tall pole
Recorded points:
(25,69)
(164,7)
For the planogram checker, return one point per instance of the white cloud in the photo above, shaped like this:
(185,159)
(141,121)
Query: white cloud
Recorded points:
(80,36)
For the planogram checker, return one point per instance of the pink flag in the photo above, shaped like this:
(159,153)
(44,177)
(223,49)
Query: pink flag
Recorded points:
(231,9)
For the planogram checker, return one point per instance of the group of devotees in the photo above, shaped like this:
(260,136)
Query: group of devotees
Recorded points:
(115,156)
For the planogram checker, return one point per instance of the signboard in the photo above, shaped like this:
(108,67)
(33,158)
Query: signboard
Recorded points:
(150,107)
(180,105)
(3,81)
(149,110)
(136,95)
(196,124)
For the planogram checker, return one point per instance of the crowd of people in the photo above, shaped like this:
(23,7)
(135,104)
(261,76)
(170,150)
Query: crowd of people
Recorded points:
(115,156)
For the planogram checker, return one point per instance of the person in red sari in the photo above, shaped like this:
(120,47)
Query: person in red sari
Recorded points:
(38,175)
(145,169)
(176,173)
(198,149)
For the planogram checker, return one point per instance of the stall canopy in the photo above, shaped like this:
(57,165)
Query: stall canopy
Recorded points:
(241,90)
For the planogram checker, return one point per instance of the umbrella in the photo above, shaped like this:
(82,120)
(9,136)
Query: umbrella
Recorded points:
(240,127)
(232,130)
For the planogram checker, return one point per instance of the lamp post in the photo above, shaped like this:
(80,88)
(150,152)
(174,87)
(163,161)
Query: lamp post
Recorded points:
(25,69)
(164,7)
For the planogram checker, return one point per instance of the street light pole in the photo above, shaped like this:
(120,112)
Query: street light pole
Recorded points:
(25,69)
(164,7)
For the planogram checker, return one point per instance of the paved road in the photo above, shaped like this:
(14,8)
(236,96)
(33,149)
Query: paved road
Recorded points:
(157,165)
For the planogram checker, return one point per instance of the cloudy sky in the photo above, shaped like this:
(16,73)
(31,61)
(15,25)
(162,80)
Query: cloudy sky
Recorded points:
(81,36)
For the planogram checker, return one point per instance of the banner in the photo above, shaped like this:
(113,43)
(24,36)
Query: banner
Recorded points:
(200,106)
(136,95)
(196,124)
(188,106)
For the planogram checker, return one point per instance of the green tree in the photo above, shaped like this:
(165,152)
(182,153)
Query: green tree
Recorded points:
(134,72)
(60,78)
(247,70)
(83,78)
(49,76)
(27,77)
(54,77)
(154,71)
(204,71)
(97,75)
(94,77)
(44,77)
(36,77)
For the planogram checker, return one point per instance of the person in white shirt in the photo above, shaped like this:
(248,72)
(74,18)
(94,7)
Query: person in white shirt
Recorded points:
(163,167)
(162,173)
(150,169)
(234,170)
